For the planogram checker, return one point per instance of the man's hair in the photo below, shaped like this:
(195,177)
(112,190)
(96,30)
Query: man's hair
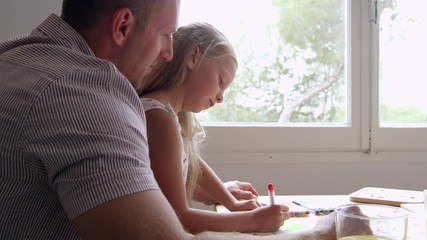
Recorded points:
(83,14)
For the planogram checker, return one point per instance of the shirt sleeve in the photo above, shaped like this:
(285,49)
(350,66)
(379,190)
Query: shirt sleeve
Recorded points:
(87,130)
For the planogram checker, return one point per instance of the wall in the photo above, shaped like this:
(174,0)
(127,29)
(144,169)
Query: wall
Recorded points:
(321,173)
(21,16)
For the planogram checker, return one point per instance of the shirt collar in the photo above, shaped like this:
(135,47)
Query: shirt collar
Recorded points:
(56,28)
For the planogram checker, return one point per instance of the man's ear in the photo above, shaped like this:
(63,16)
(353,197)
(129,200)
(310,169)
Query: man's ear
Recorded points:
(193,57)
(122,23)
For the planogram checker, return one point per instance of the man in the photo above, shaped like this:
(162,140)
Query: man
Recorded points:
(73,148)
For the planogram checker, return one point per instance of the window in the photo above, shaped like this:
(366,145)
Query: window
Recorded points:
(402,63)
(400,113)
(319,76)
(292,58)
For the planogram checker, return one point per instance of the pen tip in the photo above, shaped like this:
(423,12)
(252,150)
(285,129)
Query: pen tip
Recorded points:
(270,187)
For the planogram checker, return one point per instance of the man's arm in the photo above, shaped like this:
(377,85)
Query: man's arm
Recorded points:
(143,215)
(148,215)
(324,230)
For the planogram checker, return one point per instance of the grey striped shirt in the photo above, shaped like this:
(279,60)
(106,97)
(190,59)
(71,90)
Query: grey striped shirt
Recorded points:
(72,133)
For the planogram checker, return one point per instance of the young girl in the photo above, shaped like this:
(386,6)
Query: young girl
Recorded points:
(203,66)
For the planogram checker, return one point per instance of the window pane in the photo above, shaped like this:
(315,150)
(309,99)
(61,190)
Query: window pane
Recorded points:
(292,60)
(403,81)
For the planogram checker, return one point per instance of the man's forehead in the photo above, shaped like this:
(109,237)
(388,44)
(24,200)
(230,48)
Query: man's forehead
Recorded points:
(166,16)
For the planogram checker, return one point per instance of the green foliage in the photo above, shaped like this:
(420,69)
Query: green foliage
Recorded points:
(311,35)
(310,47)
(316,25)
(403,114)
(316,29)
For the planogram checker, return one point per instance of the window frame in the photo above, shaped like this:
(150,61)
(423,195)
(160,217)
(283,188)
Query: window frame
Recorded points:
(391,138)
(362,134)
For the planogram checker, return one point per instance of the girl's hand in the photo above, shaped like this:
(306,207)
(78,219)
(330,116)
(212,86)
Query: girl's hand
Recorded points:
(269,218)
(241,190)
(243,205)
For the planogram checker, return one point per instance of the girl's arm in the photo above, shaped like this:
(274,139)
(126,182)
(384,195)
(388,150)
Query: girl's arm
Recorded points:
(213,190)
(165,146)
(240,190)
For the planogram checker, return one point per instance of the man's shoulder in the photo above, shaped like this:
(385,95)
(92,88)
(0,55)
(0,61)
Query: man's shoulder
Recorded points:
(48,56)
(53,48)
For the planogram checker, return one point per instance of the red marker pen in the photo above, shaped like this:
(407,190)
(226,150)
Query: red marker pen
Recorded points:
(271,193)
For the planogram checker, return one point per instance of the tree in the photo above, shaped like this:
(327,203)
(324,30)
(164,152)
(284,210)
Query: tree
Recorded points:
(298,84)
(300,76)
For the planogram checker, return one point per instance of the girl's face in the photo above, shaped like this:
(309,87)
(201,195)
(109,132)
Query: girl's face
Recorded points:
(206,82)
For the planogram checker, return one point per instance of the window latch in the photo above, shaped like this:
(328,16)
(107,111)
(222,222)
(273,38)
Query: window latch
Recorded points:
(374,11)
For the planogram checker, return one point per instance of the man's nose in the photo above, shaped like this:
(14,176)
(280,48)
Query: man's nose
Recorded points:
(219,98)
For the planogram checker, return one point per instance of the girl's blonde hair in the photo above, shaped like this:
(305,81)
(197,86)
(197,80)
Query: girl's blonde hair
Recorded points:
(212,44)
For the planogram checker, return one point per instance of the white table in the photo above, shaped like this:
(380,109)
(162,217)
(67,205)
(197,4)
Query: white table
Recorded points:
(416,220)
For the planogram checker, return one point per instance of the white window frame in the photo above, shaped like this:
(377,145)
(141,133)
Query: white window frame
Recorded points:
(388,139)
(363,134)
